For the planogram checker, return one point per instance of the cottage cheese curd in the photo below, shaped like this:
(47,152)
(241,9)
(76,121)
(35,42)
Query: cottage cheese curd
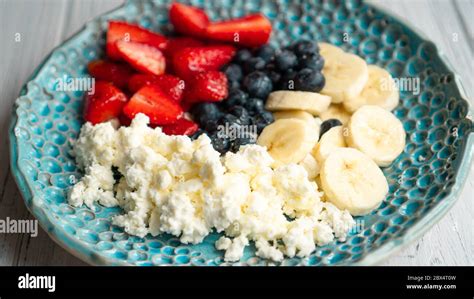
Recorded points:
(171,184)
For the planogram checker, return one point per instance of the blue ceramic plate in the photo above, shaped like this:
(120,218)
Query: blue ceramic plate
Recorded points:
(424,181)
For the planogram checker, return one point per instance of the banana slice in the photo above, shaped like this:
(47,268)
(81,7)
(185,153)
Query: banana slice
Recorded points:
(311,102)
(336,111)
(377,133)
(325,48)
(311,166)
(299,114)
(351,180)
(380,90)
(332,139)
(346,75)
(288,140)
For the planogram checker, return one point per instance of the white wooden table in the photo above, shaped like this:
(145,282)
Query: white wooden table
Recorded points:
(44,24)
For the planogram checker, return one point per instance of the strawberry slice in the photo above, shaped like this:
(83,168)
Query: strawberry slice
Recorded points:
(181,127)
(189,61)
(188,20)
(119,30)
(142,57)
(105,103)
(118,74)
(152,101)
(124,120)
(249,31)
(175,44)
(207,87)
(171,85)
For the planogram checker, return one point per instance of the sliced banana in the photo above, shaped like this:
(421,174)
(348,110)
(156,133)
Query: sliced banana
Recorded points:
(332,139)
(299,114)
(311,166)
(346,74)
(336,111)
(325,48)
(351,180)
(288,140)
(377,133)
(380,90)
(311,102)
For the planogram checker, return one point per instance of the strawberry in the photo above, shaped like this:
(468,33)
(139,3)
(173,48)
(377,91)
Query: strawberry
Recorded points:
(189,61)
(188,20)
(175,44)
(181,127)
(142,57)
(171,85)
(124,120)
(207,87)
(105,103)
(118,74)
(249,31)
(152,101)
(119,30)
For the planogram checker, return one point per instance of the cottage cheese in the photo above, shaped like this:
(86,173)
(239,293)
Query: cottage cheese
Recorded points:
(171,184)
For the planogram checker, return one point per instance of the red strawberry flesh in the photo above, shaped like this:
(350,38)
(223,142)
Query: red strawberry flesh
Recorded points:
(188,20)
(104,104)
(142,57)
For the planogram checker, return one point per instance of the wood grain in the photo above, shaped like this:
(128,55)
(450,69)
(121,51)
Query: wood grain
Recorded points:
(43,24)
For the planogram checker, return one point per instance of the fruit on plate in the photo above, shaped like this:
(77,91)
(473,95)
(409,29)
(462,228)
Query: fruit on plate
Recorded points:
(171,85)
(330,141)
(104,104)
(299,114)
(156,104)
(117,73)
(173,45)
(377,133)
(181,127)
(288,140)
(328,124)
(379,90)
(142,57)
(336,111)
(207,87)
(249,31)
(120,30)
(325,48)
(188,62)
(346,74)
(311,166)
(311,102)
(188,20)
(351,180)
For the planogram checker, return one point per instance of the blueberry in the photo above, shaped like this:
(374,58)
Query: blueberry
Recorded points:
(309,80)
(236,97)
(233,84)
(262,120)
(254,64)
(241,113)
(258,85)
(286,60)
(254,105)
(206,112)
(233,72)
(327,125)
(266,52)
(243,139)
(219,142)
(242,56)
(274,76)
(305,47)
(312,61)
(287,81)
(198,133)
(229,119)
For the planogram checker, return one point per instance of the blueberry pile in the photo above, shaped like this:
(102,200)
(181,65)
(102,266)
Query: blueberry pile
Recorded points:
(252,76)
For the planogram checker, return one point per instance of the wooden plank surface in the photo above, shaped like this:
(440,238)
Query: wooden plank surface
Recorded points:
(43,24)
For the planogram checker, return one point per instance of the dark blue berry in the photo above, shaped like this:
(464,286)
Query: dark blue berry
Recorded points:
(286,60)
(274,76)
(242,56)
(312,61)
(327,125)
(309,80)
(258,85)
(263,119)
(287,81)
(305,47)
(254,64)
(229,119)
(243,139)
(241,113)
(204,113)
(233,72)
(233,84)
(254,105)
(266,52)
(236,97)
(198,133)
(220,142)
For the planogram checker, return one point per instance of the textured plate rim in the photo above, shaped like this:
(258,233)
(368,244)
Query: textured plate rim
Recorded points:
(373,257)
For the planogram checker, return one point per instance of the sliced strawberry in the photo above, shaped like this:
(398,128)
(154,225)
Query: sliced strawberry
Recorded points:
(207,87)
(118,74)
(188,20)
(171,85)
(119,30)
(249,31)
(124,120)
(152,101)
(175,44)
(189,61)
(105,103)
(181,127)
(142,57)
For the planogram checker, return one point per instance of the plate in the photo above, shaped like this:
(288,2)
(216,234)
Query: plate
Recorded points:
(424,181)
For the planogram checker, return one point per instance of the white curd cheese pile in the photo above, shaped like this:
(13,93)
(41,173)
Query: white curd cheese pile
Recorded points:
(171,184)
